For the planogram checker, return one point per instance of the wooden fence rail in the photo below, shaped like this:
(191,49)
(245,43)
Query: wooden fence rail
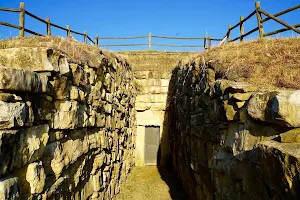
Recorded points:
(48,25)
(260,21)
(258,12)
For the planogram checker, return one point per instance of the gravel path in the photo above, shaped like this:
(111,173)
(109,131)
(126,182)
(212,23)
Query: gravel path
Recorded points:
(151,183)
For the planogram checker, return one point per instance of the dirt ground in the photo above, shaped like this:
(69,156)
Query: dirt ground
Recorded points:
(151,183)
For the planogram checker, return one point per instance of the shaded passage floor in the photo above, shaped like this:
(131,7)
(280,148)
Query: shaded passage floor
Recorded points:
(151,183)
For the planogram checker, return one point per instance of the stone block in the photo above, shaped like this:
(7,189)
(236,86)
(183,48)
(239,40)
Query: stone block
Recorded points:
(20,147)
(9,188)
(13,114)
(145,98)
(108,108)
(7,97)
(108,122)
(291,136)
(142,82)
(244,137)
(257,105)
(82,116)
(158,98)
(42,107)
(109,97)
(231,112)
(107,82)
(141,74)
(21,80)
(34,59)
(100,120)
(158,106)
(241,96)
(65,115)
(91,75)
(284,109)
(154,90)
(281,107)
(240,104)
(8,144)
(59,155)
(78,75)
(240,87)
(36,177)
(55,135)
(142,106)
(31,144)
(282,177)
(61,87)
(74,93)
(165,82)
(92,118)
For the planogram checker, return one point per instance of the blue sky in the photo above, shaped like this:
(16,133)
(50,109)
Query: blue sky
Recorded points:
(116,18)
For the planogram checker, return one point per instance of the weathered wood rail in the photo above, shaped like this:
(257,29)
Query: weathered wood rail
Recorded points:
(86,37)
(23,30)
(258,12)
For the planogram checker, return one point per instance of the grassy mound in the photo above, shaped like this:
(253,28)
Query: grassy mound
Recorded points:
(77,51)
(154,60)
(262,62)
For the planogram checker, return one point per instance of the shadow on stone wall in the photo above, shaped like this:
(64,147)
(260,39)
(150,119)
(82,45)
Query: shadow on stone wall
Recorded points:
(164,159)
(221,147)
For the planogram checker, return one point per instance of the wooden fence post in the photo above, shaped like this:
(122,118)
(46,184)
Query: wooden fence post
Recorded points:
(209,42)
(96,40)
(204,42)
(241,28)
(228,36)
(259,18)
(22,20)
(149,41)
(68,32)
(85,37)
(48,26)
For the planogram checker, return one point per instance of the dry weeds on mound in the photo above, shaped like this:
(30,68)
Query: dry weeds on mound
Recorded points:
(266,62)
(78,51)
(155,60)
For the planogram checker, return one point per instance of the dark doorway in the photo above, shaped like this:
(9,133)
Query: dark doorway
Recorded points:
(152,139)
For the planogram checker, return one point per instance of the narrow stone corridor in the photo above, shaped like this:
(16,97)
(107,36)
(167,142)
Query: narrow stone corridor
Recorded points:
(151,183)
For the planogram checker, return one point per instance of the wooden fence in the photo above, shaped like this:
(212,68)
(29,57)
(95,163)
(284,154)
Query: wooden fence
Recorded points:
(47,23)
(206,41)
(22,29)
(258,12)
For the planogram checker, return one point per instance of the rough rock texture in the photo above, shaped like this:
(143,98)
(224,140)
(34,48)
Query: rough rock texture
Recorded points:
(150,104)
(230,140)
(66,129)
(9,188)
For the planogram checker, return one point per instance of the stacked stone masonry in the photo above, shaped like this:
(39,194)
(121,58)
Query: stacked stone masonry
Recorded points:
(232,140)
(152,91)
(67,129)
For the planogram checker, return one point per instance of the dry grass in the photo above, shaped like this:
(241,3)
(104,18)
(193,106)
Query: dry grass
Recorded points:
(266,62)
(78,52)
(154,60)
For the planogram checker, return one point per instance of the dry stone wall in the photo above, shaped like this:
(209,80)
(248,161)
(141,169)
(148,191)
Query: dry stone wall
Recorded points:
(232,140)
(66,128)
(151,101)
